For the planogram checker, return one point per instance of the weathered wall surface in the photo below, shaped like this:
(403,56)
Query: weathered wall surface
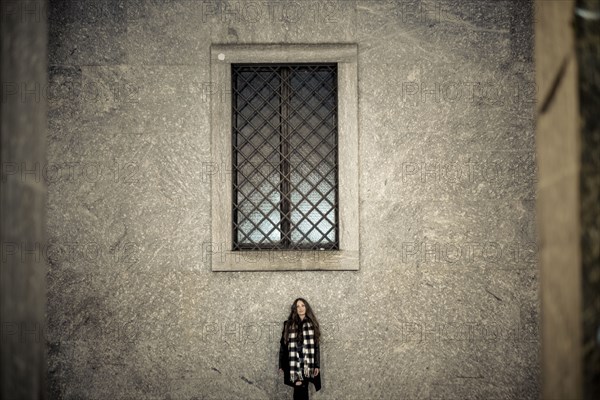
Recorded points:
(23,196)
(445,302)
(560,253)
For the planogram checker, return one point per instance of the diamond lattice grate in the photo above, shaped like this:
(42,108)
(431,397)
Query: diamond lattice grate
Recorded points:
(285,156)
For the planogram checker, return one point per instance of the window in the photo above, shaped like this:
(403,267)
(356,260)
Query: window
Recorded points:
(284,149)
(284,143)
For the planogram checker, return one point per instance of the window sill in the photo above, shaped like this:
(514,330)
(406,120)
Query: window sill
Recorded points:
(284,260)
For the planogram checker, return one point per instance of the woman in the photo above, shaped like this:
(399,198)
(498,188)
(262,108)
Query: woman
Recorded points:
(299,354)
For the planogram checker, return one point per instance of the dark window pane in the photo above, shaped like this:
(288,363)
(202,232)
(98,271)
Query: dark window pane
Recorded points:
(285,156)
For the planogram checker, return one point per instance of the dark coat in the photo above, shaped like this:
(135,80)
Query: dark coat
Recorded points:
(284,363)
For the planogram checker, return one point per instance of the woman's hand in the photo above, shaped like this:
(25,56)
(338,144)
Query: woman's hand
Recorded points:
(280,371)
(316,371)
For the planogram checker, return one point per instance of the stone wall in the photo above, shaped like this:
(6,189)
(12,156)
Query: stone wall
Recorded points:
(445,302)
(23,196)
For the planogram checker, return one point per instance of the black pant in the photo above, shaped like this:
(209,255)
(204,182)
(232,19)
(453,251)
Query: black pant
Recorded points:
(301,391)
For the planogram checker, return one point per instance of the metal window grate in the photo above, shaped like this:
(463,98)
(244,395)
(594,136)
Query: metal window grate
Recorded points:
(285,161)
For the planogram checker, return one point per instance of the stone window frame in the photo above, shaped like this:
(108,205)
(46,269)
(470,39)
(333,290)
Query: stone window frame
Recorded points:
(219,251)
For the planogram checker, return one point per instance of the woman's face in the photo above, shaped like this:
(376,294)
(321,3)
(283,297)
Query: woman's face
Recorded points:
(300,308)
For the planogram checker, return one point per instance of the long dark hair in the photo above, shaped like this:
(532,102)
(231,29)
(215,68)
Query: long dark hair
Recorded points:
(293,321)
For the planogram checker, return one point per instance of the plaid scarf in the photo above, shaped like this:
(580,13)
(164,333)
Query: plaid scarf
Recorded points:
(308,353)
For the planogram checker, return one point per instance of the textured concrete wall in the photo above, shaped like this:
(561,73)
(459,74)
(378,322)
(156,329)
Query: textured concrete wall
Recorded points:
(23,198)
(445,302)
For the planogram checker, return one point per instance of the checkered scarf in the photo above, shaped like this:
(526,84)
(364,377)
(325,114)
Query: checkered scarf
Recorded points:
(308,353)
